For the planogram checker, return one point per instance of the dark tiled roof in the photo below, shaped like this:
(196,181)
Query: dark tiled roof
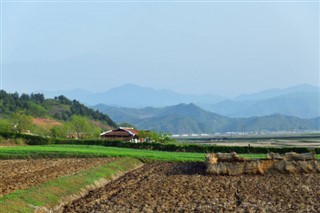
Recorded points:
(121,132)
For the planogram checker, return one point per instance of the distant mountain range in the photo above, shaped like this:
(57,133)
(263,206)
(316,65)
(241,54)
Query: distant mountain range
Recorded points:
(189,118)
(300,101)
(300,104)
(130,95)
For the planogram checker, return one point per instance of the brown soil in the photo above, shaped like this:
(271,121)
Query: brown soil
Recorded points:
(46,122)
(22,174)
(184,187)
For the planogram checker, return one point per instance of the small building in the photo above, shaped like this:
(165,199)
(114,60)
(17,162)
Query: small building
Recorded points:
(122,134)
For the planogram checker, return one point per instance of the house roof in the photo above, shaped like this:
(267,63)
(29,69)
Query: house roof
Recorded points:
(120,132)
(130,129)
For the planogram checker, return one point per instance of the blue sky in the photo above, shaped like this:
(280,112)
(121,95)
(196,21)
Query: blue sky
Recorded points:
(189,47)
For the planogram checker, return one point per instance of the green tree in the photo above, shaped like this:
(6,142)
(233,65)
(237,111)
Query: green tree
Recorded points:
(59,131)
(36,109)
(39,130)
(37,97)
(80,126)
(5,125)
(163,137)
(21,122)
(143,134)
(155,136)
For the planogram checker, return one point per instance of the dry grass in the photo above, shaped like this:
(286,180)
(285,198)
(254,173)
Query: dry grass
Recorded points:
(46,122)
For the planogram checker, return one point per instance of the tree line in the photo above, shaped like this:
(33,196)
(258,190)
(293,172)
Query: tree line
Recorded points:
(18,111)
(37,105)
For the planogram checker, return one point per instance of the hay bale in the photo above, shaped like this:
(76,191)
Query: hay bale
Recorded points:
(252,167)
(293,156)
(274,156)
(279,166)
(305,167)
(217,169)
(211,159)
(231,164)
(291,167)
(228,157)
(315,165)
(265,166)
(215,158)
(234,169)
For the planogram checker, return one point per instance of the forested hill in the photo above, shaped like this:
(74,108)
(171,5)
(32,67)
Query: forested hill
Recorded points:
(189,118)
(36,105)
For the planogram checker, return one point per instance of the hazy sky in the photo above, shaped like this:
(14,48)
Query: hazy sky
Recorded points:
(224,48)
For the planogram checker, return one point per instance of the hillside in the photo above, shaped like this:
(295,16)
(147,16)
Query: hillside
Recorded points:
(59,108)
(190,118)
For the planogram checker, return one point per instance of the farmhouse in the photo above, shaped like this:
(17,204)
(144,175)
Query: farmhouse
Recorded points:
(122,133)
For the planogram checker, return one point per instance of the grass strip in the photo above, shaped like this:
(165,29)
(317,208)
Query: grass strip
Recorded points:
(53,193)
(59,151)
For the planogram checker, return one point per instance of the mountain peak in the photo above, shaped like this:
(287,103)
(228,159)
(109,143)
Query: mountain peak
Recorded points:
(271,93)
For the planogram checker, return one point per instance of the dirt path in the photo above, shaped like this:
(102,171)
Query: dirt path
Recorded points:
(183,187)
(22,174)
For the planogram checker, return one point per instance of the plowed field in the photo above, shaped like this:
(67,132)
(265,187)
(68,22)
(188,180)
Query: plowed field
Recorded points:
(184,187)
(22,174)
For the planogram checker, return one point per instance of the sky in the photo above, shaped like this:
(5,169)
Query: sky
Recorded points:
(226,48)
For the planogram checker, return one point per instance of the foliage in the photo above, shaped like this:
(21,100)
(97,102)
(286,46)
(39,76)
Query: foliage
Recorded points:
(156,136)
(22,122)
(36,109)
(79,109)
(58,132)
(59,108)
(39,130)
(5,125)
(81,126)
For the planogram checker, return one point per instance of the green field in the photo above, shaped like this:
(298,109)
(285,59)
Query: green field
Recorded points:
(57,151)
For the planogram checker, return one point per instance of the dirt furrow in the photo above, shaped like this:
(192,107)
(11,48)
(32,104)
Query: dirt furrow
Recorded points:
(184,187)
(22,174)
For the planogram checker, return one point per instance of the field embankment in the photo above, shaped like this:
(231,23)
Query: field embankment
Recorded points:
(25,173)
(52,194)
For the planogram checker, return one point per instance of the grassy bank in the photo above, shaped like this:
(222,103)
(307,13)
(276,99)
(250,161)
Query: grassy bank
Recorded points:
(53,193)
(57,151)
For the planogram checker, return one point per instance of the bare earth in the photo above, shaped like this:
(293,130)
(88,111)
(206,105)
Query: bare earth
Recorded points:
(184,187)
(171,187)
(22,174)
